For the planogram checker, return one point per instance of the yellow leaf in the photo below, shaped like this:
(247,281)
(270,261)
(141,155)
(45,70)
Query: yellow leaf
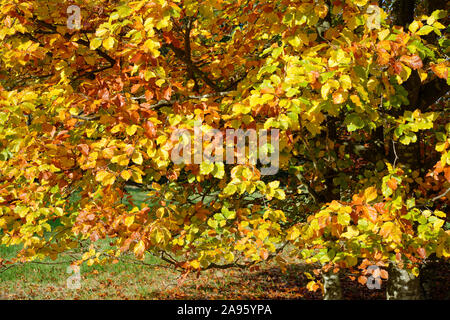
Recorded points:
(355,99)
(431,19)
(293,234)
(383,34)
(206,168)
(129,221)
(95,43)
(131,129)
(160,82)
(85,256)
(321,10)
(109,179)
(438,25)
(352,232)
(160,212)
(312,286)
(413,26)
(121,160)
(126,174)
(361,2)
(440,146)
(100,176)
(195,264)
(440,214)
(386,229)
(296,42)
(137,158)
(370,194)
(139,248)
(137,177)
(108,153)
(345,81)
(219,171)
(325,90)
(108,43)
(229,257)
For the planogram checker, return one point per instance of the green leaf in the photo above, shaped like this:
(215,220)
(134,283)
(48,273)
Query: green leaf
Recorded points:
(424,30)
(219,170)
(228,214)
(213,223)
(354,122)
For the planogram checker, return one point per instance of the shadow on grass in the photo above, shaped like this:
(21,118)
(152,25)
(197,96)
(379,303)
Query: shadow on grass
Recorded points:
(271,282)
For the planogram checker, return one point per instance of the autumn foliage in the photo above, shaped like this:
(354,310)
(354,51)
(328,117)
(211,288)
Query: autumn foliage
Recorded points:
(360,104)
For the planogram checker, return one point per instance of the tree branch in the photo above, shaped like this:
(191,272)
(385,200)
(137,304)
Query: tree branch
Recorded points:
(86,118)
(181,54)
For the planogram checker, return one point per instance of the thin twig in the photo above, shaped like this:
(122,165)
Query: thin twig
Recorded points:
(85,118)
(441,195)
(395,153)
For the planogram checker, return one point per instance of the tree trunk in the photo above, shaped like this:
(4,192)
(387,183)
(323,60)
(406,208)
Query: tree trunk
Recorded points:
(404,12)
(402,285)
(331,286)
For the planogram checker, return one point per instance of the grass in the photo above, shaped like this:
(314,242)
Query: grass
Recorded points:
(48,279)
(127,280)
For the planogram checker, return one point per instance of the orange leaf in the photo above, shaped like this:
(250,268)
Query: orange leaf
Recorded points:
(440,70)
(338,97)
(149,129)
(135,87)
(392,183)
(148,95)
(264,254)
(167,93)
(371,213)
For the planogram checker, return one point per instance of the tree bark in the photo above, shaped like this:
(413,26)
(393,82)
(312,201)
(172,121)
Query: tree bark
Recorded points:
(331,286)
(404,12)
(402,285)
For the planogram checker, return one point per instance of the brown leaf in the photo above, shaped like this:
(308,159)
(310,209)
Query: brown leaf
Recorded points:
(149,129)
(413,61)
(422,253)
(167,93)
(135,87)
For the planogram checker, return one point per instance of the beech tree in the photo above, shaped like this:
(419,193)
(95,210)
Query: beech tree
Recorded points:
(357,90)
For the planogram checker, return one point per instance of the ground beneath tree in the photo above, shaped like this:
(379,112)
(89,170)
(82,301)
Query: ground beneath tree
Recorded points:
(268,282)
